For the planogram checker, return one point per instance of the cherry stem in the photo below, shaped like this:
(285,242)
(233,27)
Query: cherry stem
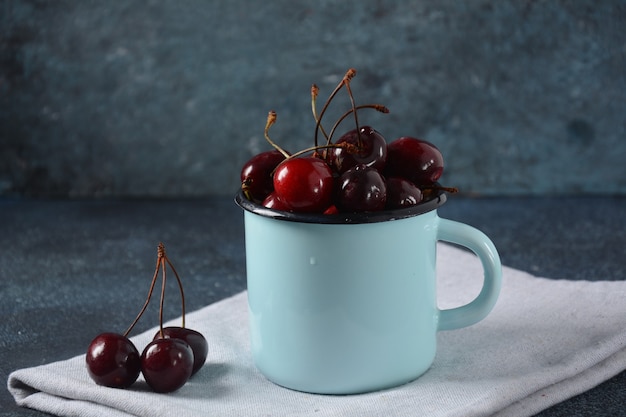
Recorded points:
(314,93)
(356,117)
(440,188)
(346,79)
(377,107)
(180,287)
(271,119)
(315,148)
(162,296)
(160,254)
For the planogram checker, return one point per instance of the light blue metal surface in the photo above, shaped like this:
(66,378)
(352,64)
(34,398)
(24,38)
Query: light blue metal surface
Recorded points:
(351,308)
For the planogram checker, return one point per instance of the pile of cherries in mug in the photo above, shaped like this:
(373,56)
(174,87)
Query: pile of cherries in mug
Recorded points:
(359,172)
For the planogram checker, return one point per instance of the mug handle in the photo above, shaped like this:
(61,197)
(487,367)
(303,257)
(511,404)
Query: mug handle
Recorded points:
(483,247)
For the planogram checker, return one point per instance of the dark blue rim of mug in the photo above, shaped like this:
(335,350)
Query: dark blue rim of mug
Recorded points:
(342,218)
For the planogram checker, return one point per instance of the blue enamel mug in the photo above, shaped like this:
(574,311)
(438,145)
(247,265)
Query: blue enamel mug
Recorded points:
(346,304)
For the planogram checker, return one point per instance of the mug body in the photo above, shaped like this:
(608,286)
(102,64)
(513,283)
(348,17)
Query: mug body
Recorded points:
(340,308)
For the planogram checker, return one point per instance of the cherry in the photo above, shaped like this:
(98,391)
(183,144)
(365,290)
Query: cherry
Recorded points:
(417,160)
(167,364)
(194,339)
(273,202)
(256,174)
(361,188)
(305,184)
(369,148)
(402,193)
(347,175)
(113,360)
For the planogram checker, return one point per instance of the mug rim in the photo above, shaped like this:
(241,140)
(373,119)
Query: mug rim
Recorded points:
(342,218)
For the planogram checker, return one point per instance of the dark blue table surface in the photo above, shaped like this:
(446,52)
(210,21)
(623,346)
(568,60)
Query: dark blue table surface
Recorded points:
(72,269)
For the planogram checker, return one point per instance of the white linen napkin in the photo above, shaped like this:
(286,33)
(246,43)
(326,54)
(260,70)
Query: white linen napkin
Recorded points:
(545,341)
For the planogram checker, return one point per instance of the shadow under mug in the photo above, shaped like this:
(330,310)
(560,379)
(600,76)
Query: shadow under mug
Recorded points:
(346,304)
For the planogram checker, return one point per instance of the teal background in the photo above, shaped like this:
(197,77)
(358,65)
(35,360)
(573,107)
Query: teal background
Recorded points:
(132,98)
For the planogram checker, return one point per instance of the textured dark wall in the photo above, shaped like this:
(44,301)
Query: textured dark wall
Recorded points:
(169,98)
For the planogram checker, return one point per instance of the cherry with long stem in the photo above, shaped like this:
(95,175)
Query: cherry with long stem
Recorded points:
(196,341)
(167,362)
(377,107)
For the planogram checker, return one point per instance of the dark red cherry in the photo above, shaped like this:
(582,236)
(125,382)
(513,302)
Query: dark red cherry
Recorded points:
(113,360)
(273,202)
(194,339)
(167,364)
(256,174)
(414,159)
(305,184)
(402,193)
(367,147)
(361,188)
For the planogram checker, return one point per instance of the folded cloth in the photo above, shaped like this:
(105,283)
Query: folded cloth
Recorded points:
(545,341)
